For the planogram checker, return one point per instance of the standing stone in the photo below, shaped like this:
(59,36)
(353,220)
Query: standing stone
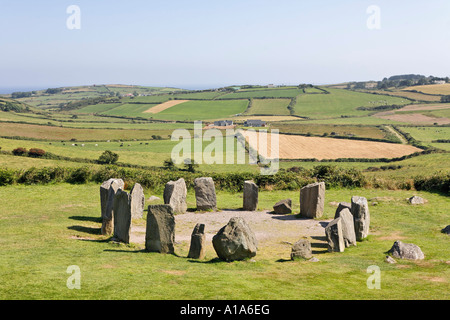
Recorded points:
(197,248)
(361,217)
(160,232)
(406,251)
(122,216)
(342,206)
(301,250)
(175,194)
(235,241)
(312,200)
(137,201)
(283,207)
(205,193)
(348,228)
(334,235)
(107,203)
(250,196)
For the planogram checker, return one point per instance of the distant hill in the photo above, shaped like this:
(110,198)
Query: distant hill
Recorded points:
(407,77)
(7,104)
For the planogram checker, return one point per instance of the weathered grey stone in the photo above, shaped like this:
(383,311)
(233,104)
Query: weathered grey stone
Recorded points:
(107,203)
(160,232)
(334,236)
(342,206)
(137,201)
(197,248)
(122,216)
(348,228)
(205,193)
(361,217)
(235,241)
(175,194)
(283,207)
(250,196)
(390,260)
(301,250)
(406,251)
(312,200)
(446,230)
(153,198)
(416,200)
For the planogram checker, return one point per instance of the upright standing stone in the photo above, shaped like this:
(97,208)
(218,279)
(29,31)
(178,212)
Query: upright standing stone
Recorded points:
(235,241)
(137,201)
(312,200)
(107,204)
(197,248)
(175,194)
(160,232)
(348,228)
(122,216)
(361,217)
(205,193)
(334,235)
(342,206)
(250,196)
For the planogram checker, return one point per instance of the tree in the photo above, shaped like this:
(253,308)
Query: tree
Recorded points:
(108,157)
(169,165)
(190,165)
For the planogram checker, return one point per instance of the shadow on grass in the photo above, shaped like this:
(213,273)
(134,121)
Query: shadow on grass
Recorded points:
(287,217)
(214,260)
(318,245)
(90,230)
(90,219)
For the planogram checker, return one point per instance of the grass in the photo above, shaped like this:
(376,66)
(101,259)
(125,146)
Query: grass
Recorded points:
(440,89)
(341,103)
(270,107)
(270,93)
(37,247)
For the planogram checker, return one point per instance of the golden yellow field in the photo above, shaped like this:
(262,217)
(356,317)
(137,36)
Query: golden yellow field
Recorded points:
(164,106)
(432,88)
(299,147)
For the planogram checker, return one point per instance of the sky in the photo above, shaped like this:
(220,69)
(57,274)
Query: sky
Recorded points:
(200,44)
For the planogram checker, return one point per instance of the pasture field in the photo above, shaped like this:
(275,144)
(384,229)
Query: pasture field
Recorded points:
(440,89)
(269,107)
(269,93)
(341,103)
(68,233)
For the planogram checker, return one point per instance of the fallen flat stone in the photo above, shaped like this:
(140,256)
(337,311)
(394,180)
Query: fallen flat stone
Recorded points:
(406,251)
(334,236)
(197,248)
(122,216)
(235,241)
(137,201)
(175,195)
(205,193)
(250,196)
(301,250)
(389,259)
(160,232)
(361,217)
(283,207)
(415,200)
(312,200)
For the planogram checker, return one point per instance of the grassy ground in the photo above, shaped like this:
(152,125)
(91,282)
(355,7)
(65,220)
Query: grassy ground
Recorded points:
(38,245)
(270,107)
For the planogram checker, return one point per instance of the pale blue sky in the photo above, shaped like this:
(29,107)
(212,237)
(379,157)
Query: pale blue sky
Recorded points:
(202,44)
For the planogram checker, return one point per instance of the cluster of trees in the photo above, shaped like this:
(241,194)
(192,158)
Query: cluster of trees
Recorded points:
(11,106)
(407,80)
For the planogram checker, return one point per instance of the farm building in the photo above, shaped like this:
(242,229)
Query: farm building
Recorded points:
(223,123)
(255,123)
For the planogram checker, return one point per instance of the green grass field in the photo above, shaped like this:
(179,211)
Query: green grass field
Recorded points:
(270,93)
(269,107)
(37,247)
